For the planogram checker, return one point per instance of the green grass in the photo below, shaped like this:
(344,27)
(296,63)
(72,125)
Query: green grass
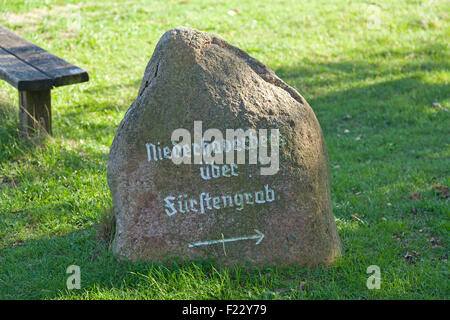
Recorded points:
(371,84)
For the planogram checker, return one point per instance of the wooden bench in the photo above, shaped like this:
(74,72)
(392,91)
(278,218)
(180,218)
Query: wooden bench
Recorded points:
(34,72)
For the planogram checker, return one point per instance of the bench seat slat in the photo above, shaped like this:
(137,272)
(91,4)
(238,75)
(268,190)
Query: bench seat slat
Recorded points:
(60,71)
(14,71)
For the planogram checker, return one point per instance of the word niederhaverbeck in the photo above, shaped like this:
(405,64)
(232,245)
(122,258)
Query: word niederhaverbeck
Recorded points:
(211,147)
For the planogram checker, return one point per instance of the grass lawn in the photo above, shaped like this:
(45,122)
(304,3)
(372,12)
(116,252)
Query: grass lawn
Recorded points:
(376,75)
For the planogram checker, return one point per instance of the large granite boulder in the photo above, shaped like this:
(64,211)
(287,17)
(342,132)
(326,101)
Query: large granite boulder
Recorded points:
(232,213)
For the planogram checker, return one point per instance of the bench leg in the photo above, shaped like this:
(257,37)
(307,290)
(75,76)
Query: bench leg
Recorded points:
(35,112)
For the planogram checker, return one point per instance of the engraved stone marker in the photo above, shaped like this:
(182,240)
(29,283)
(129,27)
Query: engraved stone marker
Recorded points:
(175,196)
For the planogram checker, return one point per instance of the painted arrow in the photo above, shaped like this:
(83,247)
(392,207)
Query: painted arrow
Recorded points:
(258,236)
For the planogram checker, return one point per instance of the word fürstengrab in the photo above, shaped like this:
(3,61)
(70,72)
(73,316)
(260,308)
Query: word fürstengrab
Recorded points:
(205,202)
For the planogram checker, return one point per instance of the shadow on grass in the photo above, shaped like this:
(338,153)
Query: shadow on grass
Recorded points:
(36,269)
(387,108)
(398,64)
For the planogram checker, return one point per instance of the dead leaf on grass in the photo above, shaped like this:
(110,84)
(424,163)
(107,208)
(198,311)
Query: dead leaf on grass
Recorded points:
(435,242)
(411,256)
(441,191)
(415,196)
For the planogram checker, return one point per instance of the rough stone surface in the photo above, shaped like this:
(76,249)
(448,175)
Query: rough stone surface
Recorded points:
(193,76)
